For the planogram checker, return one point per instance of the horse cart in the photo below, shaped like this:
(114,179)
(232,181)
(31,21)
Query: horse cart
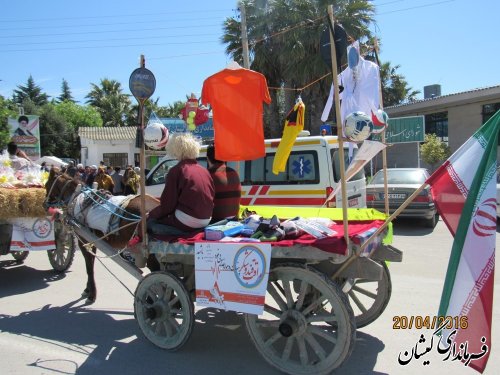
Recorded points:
(25,227)
(318,290)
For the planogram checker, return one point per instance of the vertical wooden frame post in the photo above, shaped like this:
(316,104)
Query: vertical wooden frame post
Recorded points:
(338,118)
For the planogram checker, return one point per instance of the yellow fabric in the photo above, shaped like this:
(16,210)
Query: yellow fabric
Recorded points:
(294,124)
(335,214)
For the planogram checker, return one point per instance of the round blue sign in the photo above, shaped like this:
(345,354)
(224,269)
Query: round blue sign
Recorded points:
(142,83)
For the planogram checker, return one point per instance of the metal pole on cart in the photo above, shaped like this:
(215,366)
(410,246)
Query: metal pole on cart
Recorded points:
(339,125)
(382,139)
(142,84)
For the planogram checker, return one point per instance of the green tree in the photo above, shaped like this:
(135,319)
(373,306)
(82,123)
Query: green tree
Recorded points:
(56,136)
(78,115)
(65,92)
(433,150)
(395,89)
(7,109)
(112,104)
(32,92)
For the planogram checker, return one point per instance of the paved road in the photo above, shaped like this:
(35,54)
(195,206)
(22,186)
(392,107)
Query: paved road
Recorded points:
(46,329)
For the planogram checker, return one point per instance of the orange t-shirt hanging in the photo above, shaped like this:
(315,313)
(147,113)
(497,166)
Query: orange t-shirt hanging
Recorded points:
(236,97)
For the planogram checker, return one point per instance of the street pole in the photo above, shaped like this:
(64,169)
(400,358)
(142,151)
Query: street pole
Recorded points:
(244,37)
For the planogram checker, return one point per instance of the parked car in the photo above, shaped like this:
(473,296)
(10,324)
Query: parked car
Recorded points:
(401,183)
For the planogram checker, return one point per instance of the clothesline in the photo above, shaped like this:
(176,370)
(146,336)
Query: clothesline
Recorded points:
(301,88)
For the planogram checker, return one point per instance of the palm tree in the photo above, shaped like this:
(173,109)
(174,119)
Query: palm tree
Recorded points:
(112,104)
(291,59)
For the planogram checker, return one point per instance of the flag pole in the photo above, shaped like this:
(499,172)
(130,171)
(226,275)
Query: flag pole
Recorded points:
(338,119)
(379,230)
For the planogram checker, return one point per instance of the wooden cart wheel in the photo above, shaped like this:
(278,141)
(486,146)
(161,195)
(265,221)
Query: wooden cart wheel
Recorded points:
(62,256)
(368,298)
(19,256)
(295,334)
(164,310)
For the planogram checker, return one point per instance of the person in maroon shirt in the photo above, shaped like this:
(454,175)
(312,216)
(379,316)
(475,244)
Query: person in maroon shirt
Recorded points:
(187,200)
(227,188)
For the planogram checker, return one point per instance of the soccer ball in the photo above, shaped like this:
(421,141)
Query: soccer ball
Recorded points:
(380,121)
(357,126)
(156,136)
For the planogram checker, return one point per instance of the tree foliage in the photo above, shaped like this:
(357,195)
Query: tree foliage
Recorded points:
(7,109)
(433,150)
(65,92)
(77,116)
(30,91)
(112,104)
(395,89)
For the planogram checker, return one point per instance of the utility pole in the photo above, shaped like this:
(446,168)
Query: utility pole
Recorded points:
(244,36)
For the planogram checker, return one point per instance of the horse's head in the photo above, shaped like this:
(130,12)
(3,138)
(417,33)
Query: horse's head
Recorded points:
(60,188)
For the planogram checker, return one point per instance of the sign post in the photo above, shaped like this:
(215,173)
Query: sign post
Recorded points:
(142,84)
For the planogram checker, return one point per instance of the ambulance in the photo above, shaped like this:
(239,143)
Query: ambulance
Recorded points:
(312,173)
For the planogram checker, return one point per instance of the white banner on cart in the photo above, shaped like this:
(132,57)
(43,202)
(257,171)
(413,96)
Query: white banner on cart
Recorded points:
(32,233)
(232,276)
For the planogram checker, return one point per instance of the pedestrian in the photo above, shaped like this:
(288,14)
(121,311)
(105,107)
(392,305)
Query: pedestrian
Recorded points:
(91,176)
(227,187)
(117,180)
(130,182)
(104,181)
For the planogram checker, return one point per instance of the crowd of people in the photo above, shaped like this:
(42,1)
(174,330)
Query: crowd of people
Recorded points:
(106,178)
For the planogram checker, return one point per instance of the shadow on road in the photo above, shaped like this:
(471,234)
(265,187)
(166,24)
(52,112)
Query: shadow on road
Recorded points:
(219,343)
(410,227)
(23,279)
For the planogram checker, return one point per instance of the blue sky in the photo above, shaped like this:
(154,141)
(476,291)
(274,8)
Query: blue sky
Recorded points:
(453,43)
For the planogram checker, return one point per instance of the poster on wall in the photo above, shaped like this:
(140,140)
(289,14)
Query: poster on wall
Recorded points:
(25,131)
(232,276)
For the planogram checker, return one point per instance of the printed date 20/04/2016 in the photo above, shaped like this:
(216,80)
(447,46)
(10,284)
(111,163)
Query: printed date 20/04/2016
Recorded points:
(429,322)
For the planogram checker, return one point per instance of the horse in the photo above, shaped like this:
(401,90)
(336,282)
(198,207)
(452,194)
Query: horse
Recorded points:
(62,190)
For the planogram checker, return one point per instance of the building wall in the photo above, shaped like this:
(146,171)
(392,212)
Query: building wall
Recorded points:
(464,118)
(96,149)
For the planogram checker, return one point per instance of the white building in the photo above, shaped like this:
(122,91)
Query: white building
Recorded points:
(115,146)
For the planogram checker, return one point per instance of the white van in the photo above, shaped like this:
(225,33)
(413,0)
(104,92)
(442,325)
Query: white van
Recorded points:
(311,174)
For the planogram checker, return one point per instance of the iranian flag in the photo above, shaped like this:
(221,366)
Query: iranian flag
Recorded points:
(464,189)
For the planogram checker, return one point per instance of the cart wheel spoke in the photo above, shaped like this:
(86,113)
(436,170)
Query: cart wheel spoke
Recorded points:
(288,295)
(277,297)
(271,310)
(288,349)
(364,291)
(271,340)
(166,327)
(62,256)
(327,335)
(304,358)
(313,305)
(358,303)
(315,345)
(304,288)
(369,298)
(303,340)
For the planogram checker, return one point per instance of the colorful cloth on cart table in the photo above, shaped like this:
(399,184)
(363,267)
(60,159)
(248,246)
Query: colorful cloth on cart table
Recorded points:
(334,244)
(236,97)
(294,124)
